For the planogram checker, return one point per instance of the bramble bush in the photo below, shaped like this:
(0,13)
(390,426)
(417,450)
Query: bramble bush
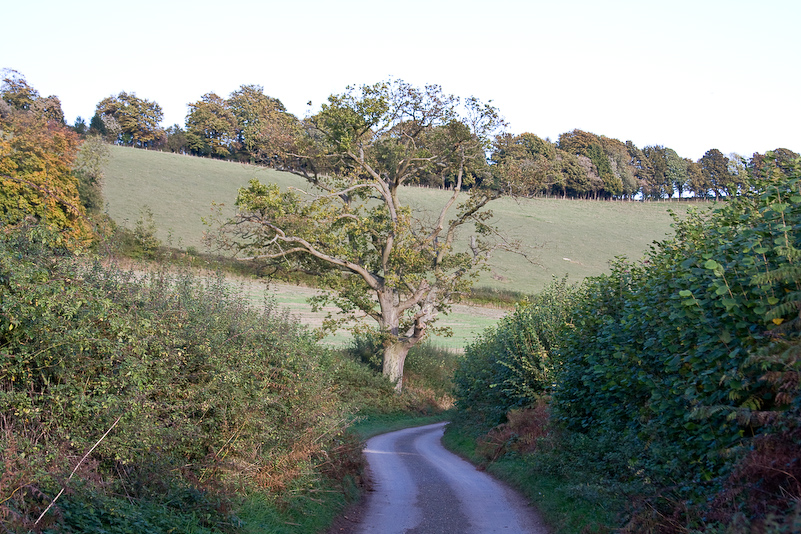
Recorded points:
(207,398)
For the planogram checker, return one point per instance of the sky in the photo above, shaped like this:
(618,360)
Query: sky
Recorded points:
(691,75)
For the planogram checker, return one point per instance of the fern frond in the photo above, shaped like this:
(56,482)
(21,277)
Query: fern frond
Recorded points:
(786,273)
(789,307)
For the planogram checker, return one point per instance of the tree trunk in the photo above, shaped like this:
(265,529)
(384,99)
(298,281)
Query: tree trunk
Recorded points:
(394,358)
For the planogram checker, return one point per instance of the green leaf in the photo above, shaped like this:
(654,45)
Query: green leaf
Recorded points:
(779,207)
(725,337)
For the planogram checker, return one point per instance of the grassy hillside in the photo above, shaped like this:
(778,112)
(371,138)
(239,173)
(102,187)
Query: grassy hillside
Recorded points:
(563,237)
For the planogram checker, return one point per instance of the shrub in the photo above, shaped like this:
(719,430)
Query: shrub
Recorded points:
(210,394)
(511,365)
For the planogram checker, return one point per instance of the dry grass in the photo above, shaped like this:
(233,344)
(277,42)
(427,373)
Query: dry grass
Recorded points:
(521,433)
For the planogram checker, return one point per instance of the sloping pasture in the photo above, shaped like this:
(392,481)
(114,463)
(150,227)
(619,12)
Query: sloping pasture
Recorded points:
(561,237)
(574,238)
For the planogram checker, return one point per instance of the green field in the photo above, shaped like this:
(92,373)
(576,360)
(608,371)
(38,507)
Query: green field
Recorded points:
(577,238)
(465,321)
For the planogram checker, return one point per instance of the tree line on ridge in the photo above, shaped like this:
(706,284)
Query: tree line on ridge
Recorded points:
(250,126)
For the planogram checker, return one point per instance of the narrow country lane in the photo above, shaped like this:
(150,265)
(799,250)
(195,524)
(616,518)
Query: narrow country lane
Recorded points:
(421,488)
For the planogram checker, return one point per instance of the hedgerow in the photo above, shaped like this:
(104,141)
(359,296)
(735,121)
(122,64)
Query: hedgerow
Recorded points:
(688,359)
(203,397)
(511,365)
(662,350)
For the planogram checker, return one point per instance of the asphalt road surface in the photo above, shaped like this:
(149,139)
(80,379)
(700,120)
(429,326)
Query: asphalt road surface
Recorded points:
(421,488)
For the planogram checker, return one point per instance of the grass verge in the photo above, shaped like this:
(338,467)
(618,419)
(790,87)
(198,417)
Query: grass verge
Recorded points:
(374,425)
(308,512)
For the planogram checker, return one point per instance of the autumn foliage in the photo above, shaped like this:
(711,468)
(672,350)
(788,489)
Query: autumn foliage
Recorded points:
(36,180)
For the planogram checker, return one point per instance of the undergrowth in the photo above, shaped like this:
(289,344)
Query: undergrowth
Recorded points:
(163,401)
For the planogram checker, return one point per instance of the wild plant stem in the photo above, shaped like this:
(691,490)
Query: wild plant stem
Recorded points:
(49,506)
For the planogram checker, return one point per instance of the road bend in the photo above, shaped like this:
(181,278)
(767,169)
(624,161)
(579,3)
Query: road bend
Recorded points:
(421,488)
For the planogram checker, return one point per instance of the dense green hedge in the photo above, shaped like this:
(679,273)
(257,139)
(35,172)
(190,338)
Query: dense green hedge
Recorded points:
(689,359)
(510,365)
(662,350)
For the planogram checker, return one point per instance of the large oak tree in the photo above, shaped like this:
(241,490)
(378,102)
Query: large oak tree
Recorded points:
(381,259)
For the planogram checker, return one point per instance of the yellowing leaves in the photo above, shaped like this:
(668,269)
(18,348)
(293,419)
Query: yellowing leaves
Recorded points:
(36,162)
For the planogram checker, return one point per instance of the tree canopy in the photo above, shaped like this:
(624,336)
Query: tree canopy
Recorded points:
(381,259)
(715,168)
(248,125)
(251,126)
(210,127)
(37,154)
(130,120)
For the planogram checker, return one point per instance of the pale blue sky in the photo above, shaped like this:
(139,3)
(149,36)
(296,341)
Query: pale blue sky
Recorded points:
(690,75)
